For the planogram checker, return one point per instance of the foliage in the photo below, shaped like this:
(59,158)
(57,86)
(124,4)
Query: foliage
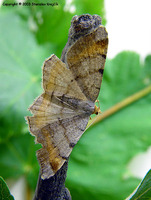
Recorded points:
(4,191)
(144,190)
(98,163)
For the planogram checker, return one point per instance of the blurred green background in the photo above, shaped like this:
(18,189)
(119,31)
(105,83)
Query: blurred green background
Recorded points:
(98,164)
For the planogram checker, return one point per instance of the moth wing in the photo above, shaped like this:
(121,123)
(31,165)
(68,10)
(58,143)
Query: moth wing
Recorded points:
(86,59)
(59,81)
(58,140)
(57,125)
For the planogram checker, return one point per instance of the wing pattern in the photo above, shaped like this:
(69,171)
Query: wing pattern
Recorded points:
(59,116)
(86,60)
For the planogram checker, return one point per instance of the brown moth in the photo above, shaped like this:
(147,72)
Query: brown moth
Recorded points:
(71,86)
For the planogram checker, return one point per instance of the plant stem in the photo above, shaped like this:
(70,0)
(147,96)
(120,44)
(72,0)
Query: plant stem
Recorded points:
(28,192)
(121,105)
(53,188)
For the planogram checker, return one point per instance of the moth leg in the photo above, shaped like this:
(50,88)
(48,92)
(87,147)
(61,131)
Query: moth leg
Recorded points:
(97,108)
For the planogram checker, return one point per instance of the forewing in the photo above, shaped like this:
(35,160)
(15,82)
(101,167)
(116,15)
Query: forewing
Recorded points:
(86,59)
(58,80)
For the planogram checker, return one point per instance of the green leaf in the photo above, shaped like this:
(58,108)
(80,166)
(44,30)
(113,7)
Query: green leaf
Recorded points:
(20,74)
(18,158)
(144,190)
(4,191)
(122,78)
(98,166)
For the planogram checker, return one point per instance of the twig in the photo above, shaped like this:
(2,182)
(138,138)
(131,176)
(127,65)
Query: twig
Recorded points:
(54,187)
(120,105)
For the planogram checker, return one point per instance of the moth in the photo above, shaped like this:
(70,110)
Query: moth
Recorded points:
(70,88)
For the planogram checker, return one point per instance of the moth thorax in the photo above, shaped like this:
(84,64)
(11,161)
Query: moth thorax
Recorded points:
(87,106)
